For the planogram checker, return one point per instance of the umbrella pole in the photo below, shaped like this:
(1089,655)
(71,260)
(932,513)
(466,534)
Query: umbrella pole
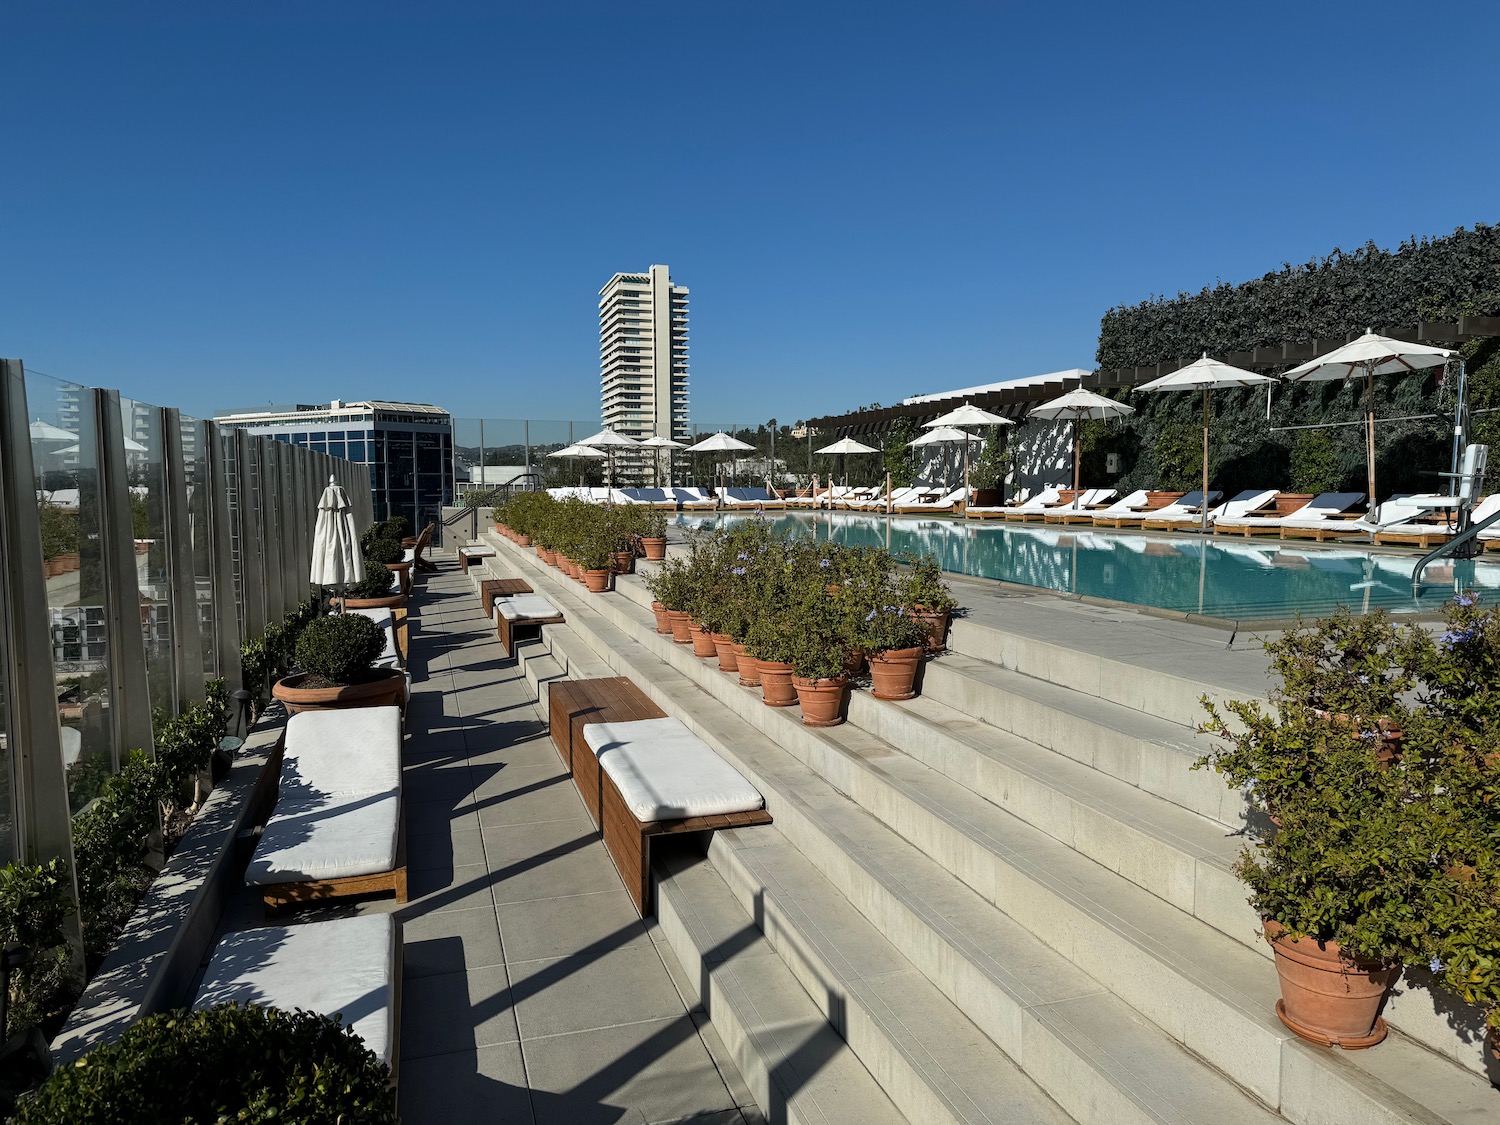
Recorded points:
(1205,470)
(1370,434)
(1077,452)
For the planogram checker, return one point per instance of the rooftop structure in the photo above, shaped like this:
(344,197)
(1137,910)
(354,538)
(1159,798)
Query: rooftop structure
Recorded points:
(643,356)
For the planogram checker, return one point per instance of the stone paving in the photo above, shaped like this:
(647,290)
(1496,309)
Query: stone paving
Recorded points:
(532,991)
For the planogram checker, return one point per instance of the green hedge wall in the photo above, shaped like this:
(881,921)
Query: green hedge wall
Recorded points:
(1426,279)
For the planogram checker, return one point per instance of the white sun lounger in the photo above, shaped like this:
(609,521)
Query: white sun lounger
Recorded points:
(1125,506)
(694,499)
(946,503)
(1085,503)
(1251,500)
(349,967)
(1333,518)
(1187,504)
(1326,503)
(1038,506)
(1410,530)
(898,496)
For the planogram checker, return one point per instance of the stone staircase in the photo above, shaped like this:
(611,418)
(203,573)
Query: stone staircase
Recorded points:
(1009,899)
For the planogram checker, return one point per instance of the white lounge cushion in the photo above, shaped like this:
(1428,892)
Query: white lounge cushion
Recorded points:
(526,607)
(408,554)
(390,655)
(346,967)
(666,772)
(395,582)
(351,750)
(328,837)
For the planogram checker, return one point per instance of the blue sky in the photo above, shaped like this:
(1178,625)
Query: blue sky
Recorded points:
(225,204)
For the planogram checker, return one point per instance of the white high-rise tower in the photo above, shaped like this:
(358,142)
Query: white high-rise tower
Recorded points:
(643,355)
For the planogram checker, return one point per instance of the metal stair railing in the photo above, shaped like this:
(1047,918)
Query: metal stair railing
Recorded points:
(1449,548)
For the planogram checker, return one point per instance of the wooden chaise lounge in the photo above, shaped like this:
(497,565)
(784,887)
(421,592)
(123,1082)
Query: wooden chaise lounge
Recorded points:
(521,617)
(349,967)
(418,545)
(639,772)
(337,827)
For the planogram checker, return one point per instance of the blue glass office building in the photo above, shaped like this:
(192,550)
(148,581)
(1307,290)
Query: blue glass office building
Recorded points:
(408,447)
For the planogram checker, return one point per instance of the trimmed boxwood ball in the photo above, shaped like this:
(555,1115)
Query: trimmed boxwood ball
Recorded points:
(222,1064)
(340,648)
(375,584)
(384,547)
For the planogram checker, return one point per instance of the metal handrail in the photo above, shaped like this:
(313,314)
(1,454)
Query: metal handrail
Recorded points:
(1447,548)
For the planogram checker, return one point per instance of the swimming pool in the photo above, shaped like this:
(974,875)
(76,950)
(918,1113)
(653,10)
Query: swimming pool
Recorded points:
(1235,580)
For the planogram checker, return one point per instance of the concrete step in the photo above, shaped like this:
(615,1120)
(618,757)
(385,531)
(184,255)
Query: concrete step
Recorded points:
(1140,749)
(793,1061)
(836,952)
(1207,991)
(1178,856)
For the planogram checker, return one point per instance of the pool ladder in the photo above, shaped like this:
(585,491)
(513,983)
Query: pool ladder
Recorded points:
(1452,547)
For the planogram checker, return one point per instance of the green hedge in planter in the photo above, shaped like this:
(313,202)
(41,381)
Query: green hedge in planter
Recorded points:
(223,1064)
(340,648)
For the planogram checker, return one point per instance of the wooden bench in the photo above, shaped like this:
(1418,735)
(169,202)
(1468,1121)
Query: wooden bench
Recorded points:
(492,588)
(471,553)
(524,628)
(575,704)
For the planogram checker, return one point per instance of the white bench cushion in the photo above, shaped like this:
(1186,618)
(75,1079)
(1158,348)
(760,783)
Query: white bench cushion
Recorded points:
(666,772)
(310,837)
(476,552)
(526,607)
(390,655)
(346,967)
(352,750)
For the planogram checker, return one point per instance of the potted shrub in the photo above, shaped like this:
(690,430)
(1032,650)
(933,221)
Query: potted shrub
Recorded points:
(373,592)
(225,1063)
(594,555)
(818,672)
(624,523)
(383,548)
(653,533)
(922,590)
(774,641)
(336,655)
(893,641)
(671,587)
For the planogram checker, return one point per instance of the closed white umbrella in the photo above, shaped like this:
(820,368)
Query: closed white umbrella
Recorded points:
(1370,355)
(1077,405)
(336,558)
(1206,375)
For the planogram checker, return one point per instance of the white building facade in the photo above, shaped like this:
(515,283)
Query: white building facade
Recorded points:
(643,354)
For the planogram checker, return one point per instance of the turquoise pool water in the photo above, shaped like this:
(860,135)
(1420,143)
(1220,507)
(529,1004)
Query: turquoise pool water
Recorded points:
(1233,579)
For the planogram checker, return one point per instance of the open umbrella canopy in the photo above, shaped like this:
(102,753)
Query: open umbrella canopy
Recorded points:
(1371,354)
(969,415)
(607,437)
(944,434)
(1206,374)
(847,445)
(656,441)
(45,431)
(719,443)
(1079,403)
(579,451)
(336,557)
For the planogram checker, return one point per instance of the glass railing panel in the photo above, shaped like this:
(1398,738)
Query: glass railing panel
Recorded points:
(64,450)
(195,453)
(145,461)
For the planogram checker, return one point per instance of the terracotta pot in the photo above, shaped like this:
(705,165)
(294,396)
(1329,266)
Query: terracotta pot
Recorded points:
(655,548)
(1327,998)
(385,689)
(776,688)
(403,571)
(724,647)
(663,623)
(1160,499)
(822,700)
(1289,502)
(894,673)
(597,581)
(395,601)
(68,563)
(1387,747)
(703,641)
(937,626)
(747,667)
(521,540)
(682,623)
(624,562)
(855,662)
(548,557)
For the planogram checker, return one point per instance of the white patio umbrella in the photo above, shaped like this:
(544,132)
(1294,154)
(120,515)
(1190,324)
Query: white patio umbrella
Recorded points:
(944,435)
(46,431)
(607,440)
(582,452)
(847,446)
(967,415)
(336,557)
(656,441)
(1077,405)
(722,443)
(1370,355)
(1206,375)
(131,446)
